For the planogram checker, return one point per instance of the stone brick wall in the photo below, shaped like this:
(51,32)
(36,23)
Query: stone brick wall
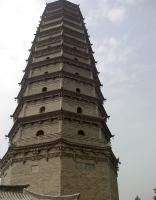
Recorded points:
(42,58)
(71,85)
(78,48)
(33,108)
(66,175)
(48,28)
(113,184)
(87,108)
(74,28)
(50,21)
(81,59)
(92,133)
(79,39)
(36,87)
(48,68)
(42,47)
(72,21)
(82,72)
(43,176)
(6,176)
(27,134)
(88,177)
(41,38)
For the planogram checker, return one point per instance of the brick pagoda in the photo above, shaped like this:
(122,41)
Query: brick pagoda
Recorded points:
(59,142)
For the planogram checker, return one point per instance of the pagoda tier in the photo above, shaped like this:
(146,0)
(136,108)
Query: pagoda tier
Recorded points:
(60,131)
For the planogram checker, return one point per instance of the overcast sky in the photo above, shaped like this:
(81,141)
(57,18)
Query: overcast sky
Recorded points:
(123,33)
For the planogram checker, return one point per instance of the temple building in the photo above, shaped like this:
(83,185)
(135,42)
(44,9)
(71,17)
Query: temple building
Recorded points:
(59,144)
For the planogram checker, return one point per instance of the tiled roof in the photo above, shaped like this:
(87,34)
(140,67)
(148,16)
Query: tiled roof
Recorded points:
(19,192)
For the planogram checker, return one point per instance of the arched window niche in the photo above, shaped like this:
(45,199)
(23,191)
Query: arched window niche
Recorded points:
(44,89)
(79,110)
(78,90)
(40,133)
(81,132)
(42,109)
(76,73)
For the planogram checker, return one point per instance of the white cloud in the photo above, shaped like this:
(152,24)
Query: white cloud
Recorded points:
(113,55)
(116,14)
(131,2)
(106,10)
(107,50)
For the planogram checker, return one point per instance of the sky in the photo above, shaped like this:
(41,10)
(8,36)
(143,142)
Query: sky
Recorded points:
(123,33)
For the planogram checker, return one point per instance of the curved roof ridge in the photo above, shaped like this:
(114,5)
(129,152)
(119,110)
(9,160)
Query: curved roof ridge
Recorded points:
(42,196)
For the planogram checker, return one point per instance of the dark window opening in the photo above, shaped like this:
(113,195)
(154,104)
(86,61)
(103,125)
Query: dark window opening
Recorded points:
(76,73)
(46,72)
(79,110)
(81,133)
(47,58)
(40,133)
(75,59)
(42,109)
(78,90)
(44,89)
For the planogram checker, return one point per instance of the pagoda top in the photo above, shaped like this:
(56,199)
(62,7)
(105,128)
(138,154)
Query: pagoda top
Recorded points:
(54,3)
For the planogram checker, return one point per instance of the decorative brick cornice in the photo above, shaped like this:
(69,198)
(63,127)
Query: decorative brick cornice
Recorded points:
(62,27)
(61,59)
(54,75)
(62,148)
(57,93)
(63,3)
(61,74)
(62,14)
(51,31)
(59,114)
(57,48)
(49,41)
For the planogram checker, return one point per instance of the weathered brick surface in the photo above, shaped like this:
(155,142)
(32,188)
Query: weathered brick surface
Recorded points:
(81,59)
(33,108)
(87,108)
(89,178)
(82,72)
(27,134)
(92,133)
(44,181)
(71,85)
(48,68)
(42,58)
(36,87)
(65,175)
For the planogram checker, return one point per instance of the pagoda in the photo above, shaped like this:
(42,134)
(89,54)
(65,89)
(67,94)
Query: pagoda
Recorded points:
(59,143)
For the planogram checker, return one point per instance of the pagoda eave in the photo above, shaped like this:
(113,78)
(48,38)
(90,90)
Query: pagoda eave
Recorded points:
(55,93)
(60,59)
(59,144)
(54,75)
(59,114)
(58,48)
(61,74)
